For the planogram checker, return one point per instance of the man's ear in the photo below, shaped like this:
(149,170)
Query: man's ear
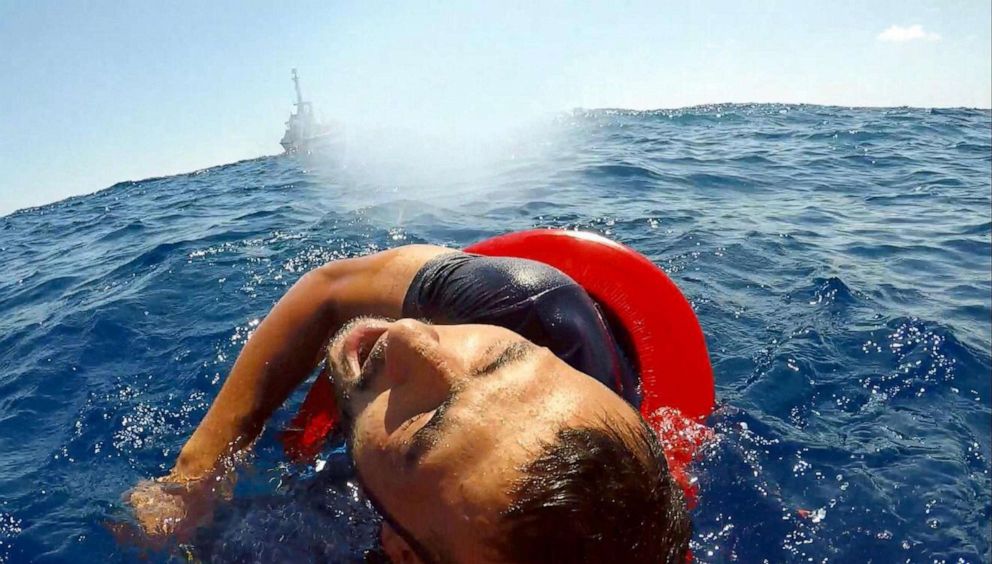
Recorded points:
(396,547)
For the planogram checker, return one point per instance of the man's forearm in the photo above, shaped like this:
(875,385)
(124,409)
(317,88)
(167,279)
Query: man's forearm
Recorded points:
(276,359)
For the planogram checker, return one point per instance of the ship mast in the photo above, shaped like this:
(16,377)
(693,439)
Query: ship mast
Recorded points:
(299,96)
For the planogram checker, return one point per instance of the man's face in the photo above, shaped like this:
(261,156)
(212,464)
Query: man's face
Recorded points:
(444,418)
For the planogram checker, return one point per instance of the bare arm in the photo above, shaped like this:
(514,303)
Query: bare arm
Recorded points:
(289,343)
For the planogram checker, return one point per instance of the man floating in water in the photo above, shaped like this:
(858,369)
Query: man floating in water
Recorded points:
(481,423)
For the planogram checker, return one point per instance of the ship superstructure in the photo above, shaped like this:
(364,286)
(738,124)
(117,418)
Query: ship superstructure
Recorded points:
(304,132)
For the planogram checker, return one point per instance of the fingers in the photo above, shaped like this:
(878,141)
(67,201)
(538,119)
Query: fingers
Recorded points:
(169,509)
(158,511)
(129,534)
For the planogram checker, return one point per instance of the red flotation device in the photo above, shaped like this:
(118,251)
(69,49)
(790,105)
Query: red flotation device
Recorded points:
(647,313)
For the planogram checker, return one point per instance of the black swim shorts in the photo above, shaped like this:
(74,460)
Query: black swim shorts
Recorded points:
(531,298)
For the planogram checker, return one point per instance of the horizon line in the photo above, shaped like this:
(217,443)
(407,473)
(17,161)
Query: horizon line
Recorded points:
(558,112)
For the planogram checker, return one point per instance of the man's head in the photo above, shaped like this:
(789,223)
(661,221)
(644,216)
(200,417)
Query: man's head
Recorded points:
(475,444)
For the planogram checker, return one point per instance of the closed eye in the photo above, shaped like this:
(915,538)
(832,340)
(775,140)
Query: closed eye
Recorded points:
(514,352)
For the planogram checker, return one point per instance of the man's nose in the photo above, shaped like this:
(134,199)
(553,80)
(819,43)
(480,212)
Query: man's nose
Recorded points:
(415,354)
(413,330)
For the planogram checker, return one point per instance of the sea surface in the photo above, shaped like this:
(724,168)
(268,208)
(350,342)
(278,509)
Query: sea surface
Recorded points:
(838,260)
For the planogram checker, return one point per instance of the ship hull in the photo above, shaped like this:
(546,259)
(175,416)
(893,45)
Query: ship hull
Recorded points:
(325,141)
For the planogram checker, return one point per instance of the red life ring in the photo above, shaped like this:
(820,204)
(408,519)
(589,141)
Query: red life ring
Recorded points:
(657,325)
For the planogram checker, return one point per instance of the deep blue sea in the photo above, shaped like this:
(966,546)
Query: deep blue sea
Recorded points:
(838,260)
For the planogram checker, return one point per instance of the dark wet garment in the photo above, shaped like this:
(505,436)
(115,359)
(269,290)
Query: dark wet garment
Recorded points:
(528,297)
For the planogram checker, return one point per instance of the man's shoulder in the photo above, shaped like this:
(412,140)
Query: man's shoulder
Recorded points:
(374,284)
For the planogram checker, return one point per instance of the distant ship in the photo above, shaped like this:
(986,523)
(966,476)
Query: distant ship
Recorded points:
(304,133)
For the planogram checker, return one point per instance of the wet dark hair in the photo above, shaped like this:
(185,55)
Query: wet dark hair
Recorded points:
(596,494)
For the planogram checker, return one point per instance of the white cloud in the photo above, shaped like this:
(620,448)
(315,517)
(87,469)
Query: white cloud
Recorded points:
(900,34)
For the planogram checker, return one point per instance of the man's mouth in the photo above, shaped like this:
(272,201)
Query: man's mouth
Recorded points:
(365,344)
(368,356)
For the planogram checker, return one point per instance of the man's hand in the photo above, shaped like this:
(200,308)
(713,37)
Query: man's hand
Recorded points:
(174,507)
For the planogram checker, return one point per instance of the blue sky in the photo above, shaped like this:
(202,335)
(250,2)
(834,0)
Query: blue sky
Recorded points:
(93,93)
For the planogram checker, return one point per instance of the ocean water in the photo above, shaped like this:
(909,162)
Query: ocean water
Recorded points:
(838,260)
